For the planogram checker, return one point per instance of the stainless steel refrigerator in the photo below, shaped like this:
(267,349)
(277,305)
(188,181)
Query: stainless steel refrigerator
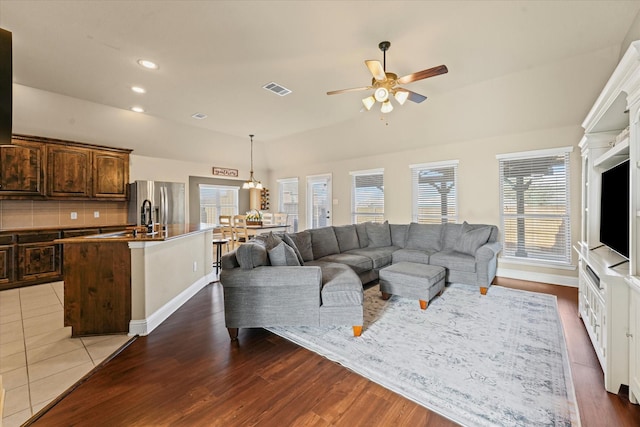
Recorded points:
(167,201)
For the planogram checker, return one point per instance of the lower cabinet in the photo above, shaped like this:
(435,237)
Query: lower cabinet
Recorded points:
(6,264)
(634,340)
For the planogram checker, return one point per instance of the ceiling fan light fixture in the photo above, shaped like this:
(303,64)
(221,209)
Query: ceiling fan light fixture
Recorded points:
(401,96)
(386,107)
(381,94)
(368,102)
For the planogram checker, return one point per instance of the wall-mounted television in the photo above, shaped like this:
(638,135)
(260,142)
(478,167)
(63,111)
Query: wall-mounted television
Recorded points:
(614,209)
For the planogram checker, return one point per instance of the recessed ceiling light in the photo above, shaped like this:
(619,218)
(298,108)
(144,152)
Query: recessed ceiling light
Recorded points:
(138,89)
(137,109)
(148,64)
(199,116)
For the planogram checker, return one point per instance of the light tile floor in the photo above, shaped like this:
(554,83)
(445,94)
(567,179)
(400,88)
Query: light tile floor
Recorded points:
(38,358)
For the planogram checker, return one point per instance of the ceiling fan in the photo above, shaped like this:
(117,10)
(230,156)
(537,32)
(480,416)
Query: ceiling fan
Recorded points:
(387,84)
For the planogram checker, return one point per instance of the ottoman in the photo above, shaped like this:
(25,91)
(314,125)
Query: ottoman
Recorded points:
(412,280)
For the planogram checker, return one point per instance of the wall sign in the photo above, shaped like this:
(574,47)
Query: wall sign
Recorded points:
(225,171)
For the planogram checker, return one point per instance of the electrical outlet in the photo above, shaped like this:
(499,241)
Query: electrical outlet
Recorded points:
(195,266)
(74,215)
(96,214)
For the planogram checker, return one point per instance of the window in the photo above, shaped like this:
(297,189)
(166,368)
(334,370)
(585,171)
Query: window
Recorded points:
(367,196)
(216,200)
(435,194)
(288,200)
(534,197)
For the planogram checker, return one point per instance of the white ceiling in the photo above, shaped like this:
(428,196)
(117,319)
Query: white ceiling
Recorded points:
(215,56)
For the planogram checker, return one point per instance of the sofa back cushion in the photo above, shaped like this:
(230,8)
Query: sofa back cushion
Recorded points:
(452,232)
(361,229)
(399,234)
(347,237)
(378,234)
(324,242)
(425,237)
(302,241)
(251,255)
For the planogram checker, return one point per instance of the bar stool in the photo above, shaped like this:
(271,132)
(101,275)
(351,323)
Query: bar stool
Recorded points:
(218,244)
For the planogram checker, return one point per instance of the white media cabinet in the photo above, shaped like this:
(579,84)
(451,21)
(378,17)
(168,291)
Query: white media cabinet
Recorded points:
(609,285)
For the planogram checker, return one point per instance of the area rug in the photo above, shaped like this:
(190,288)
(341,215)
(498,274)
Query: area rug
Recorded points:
(494,360)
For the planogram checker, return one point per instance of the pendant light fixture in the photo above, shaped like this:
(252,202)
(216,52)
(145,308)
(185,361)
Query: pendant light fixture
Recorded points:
(251,182)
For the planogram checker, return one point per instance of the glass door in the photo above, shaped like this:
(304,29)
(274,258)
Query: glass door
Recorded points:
(319,201)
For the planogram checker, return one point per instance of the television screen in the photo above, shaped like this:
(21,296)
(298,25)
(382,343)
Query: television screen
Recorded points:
(614,209)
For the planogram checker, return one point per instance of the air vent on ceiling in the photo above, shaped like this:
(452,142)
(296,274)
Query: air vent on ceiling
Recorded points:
(199,116)
(277,89)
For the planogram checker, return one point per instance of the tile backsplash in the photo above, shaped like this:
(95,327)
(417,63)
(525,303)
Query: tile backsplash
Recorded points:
(17,214)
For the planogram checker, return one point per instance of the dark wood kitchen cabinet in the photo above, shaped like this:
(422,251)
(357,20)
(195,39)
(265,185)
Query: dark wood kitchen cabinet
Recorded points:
(22,168)
(38,168)
(68,171)
(39,259)
(7,260)
(110,175)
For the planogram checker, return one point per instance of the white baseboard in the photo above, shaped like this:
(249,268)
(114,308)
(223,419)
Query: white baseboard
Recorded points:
(554,279)
(146,326)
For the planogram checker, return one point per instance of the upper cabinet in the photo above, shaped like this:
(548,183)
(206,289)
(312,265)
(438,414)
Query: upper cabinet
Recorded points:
(44,168)
(22,168)
(68,171)
(110,174)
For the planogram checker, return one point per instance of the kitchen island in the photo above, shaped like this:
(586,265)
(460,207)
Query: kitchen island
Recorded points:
(127,282)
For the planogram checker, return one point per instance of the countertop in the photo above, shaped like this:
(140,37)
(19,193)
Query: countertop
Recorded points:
(172,231)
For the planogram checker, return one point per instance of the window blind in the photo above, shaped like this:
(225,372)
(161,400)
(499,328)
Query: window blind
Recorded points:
(367,196)
(216,200)
(535,210)
(288,200)
(434,188)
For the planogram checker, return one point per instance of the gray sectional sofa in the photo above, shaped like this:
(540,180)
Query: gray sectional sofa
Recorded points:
(315,277)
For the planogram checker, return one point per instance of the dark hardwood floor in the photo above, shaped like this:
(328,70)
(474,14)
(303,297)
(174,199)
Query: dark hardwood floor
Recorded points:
(188,373)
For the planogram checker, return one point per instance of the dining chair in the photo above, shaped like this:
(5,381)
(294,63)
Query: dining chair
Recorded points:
(240,229)
(267,218)
(280,218)
(226,227)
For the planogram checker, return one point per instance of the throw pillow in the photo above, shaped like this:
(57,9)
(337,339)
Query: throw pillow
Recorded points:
(271,241)
(361,230)
(399,234)
(378,234)
(471,239)
(347,237)
(251,255)
(289,241)
(283,254)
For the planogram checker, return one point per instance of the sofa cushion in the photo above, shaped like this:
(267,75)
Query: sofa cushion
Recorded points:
(411,255)
(341,286)
(470,239)
(378,234)
(289,241)
(358,263)
(323,242)
(283,254)
(381,257)
(454,261)
(302,240)
(361,229)
(399,234)
(270,240)
(251,255)
(424,236)
(450,234)
(347,237)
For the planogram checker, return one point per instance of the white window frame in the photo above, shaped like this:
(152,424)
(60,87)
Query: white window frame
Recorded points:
(218,206)
(536,249)
(419,198)
(286,206)
(376,204)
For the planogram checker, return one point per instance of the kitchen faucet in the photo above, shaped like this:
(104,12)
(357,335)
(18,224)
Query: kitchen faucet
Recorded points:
(144,220)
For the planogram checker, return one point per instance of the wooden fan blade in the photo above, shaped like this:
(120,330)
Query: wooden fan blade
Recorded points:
(377,71)
(355,89)
(431,72)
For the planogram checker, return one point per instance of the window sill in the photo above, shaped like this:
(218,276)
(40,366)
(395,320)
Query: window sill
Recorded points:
(545,264)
